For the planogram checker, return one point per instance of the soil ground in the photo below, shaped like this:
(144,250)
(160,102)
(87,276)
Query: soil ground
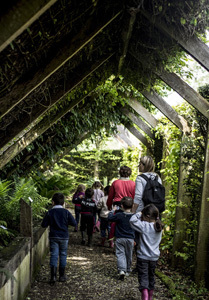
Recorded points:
(92,274)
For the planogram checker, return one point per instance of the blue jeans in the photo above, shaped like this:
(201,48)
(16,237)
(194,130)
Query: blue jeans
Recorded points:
(58,249)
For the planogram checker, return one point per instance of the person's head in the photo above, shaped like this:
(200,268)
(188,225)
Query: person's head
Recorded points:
(58,199)
(81,188)
(146,164)
(150,213)
(127,202)
(125,171)
(97,185)
(106,190)
(89,193)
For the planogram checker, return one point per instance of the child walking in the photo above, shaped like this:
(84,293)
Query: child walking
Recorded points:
(124,236)
(88,210)
(102,206)
(98,194)
(148,224)
(58,218)
(79,194)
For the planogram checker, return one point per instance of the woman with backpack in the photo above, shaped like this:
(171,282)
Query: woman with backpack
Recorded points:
(149,187)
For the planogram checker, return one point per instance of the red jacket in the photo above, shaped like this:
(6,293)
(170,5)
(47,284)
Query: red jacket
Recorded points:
(119,189)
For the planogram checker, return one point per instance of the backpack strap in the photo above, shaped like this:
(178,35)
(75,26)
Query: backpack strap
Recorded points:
(147,178)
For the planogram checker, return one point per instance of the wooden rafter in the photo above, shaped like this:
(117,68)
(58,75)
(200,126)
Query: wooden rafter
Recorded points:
(72,47)
(80,74)
(20,17)
(192,45)
(142,125)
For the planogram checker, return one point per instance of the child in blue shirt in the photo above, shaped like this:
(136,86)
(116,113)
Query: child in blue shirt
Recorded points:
(148,224)
(58,218)
(124,235)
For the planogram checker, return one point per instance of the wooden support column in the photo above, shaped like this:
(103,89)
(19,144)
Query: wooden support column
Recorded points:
(202,249)
(182,211)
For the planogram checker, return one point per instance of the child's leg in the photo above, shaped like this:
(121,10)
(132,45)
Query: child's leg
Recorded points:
(143,273)
(129,252)
(152,266)
(83,228)
(63,245)
(120,254)
(54,253)
(90,226)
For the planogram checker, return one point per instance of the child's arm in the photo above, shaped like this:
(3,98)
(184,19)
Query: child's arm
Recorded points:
(136,223)
(110,197)
(45,221)
(71,220)
(112,216)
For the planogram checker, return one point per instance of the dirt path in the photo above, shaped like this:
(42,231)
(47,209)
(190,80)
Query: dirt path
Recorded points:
(91,274)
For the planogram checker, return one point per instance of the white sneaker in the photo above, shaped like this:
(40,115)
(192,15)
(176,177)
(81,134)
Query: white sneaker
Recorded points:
(121,275)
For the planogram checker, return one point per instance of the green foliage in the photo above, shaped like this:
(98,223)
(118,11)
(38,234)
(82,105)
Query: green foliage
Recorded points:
(130,158)
(10,195)
(169,172)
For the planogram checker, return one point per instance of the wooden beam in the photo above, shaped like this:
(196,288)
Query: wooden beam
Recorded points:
(20,17)
(143,112)
(185,91)
(36,131)
(143,126)
(166,109)
(23,89)
(139,136)
(192,45)
(79,75)
(181,87)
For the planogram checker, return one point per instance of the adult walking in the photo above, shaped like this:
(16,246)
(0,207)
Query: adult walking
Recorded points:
(122,187)
(146,167)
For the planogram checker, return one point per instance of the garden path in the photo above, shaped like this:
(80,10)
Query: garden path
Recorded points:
(91,275)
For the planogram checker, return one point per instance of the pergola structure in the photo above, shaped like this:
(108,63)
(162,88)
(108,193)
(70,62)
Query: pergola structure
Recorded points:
(49,48)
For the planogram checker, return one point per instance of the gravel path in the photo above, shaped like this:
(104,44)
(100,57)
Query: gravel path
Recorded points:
(92,274)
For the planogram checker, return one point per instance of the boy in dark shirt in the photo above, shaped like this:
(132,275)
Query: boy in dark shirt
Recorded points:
(88,211)
(124,236)
(58,218)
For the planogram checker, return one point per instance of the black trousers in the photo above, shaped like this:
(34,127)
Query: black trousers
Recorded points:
(87,222)
(146,273)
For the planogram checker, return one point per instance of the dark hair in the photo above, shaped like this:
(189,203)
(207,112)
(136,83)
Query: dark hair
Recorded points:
(149,213)
(97,185)
(80,188)
(89,193)
(127,202)
(125,171)
(58,199)
(107,189)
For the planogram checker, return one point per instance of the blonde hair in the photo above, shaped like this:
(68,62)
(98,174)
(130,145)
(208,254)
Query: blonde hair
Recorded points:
(148,162)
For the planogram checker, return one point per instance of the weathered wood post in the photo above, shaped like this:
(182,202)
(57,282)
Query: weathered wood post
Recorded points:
(182,212)
(202,247)
(26,227)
